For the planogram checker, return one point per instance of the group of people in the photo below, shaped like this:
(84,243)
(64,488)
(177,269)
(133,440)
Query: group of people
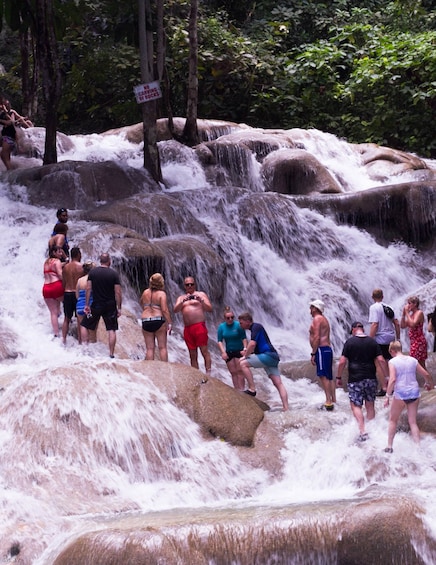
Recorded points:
(376,364)
(239,353)
(88,291)
(10,120)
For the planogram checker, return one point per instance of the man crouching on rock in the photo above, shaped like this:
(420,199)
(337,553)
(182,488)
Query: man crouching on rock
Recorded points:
(193,306)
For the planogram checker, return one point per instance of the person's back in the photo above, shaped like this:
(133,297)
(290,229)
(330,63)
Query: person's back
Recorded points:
(406,385)
(361,352)
(385,332)
(103,281)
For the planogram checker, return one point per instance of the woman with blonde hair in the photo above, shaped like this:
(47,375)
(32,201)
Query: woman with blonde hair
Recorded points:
(81,301)
(413,318)
(156,319)
(403,388)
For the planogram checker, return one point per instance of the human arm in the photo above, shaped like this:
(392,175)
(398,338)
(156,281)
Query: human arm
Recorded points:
(424,373)
(179,303)
(87,308)
(251,346)
(204,299)
(391,383)
(397,328)
(373,329)
(340,370)
(166,312)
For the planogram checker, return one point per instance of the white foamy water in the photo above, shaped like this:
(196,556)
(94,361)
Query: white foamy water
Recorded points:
(53,486)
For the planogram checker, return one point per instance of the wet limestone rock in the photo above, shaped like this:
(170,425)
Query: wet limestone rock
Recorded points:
(79,185)
(295,171)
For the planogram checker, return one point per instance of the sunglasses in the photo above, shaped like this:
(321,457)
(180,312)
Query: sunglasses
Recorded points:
(189,284)
(230,317)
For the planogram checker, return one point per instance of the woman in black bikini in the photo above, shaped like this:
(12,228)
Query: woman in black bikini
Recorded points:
(156,319)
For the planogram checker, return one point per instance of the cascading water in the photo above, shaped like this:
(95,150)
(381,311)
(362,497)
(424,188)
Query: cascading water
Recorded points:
(83,445)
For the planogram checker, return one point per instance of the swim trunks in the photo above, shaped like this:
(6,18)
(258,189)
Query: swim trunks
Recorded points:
(267,361)
(151,325)
(196,335)
(53,290)
(324,362)
(70,302)
(362,390)
(109,315)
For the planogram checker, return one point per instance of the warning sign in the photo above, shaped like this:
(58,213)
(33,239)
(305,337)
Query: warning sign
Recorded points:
(147,92)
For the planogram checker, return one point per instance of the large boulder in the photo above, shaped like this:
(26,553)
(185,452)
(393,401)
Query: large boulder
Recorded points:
(79,185)
(295,171)
(405,211)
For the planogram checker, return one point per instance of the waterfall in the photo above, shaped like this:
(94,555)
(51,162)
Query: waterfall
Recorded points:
(87,445)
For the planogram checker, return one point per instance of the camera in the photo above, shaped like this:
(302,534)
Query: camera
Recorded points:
(192,297)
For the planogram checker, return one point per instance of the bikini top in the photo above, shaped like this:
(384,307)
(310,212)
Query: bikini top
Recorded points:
(150,304)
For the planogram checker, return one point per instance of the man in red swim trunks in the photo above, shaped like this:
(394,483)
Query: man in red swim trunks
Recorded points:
(193,306)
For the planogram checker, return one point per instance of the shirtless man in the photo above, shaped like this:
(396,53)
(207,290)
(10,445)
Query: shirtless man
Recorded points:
(71,273)
(322,354)
(193,306)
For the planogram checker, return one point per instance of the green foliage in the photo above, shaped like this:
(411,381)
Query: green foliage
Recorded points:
(362,69)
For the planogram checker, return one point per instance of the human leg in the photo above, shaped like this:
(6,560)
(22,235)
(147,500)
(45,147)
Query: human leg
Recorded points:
(6,155)
(248,375)
(112,338)
(149,345)
(206,356)
(370,409)
(237,376)
(161,336)
(412,410)
(394,414)
(193,357)
(53,306)
(277,382)
(358,414)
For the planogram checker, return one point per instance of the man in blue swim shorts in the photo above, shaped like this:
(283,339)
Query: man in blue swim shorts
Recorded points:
(260,354)
(322,354)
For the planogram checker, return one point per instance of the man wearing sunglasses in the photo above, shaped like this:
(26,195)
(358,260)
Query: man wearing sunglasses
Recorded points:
(193,305)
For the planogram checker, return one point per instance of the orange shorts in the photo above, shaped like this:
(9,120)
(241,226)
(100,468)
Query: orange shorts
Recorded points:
(196,335)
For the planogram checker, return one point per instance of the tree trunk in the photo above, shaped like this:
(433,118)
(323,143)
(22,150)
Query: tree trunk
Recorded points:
(190,131)
(48,63)
(149,113)
(29,75)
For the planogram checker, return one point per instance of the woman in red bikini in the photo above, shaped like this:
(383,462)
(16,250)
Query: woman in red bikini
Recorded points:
(53,290)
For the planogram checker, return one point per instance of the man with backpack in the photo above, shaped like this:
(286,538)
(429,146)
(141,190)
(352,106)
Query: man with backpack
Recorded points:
(384,328)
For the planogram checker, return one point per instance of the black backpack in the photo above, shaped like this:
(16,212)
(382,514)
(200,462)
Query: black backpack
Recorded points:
(389,313)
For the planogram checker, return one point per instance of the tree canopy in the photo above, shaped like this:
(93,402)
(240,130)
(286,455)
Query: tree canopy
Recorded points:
(364,70)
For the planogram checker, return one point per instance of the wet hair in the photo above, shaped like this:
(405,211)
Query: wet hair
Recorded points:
(105,259)
(88,266)
(377,293)
(156,282)
(395,346)
(245,316)
(53,250)
(60,228)
(75,253)
(414,300)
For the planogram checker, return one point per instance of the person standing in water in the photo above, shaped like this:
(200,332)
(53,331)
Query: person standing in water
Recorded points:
(71,273)
(403,388)
(104,286)
(53,289)
(261,354)
(156,318)
(322,354)
(361,352)
(413,319)
(232,342)
(193,305)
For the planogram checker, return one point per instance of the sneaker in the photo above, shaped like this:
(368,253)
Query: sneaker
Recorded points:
(388,450)
(363,437)
(250,392)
